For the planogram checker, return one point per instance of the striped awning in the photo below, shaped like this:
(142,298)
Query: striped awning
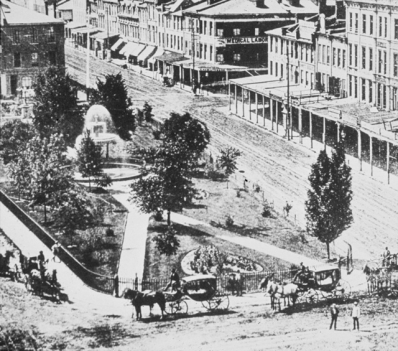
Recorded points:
(159,52)
(137,50)
(147,53)
(130,46)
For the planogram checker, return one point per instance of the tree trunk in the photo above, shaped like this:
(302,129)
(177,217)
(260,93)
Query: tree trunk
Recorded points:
(168,217)
(328,249)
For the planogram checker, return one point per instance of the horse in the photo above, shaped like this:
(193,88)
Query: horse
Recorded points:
(276,291)
(145,298)
(376,277)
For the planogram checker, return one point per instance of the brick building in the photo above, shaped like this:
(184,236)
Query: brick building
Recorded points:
(30,42)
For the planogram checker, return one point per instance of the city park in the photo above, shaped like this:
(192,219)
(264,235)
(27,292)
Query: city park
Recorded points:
(62,167)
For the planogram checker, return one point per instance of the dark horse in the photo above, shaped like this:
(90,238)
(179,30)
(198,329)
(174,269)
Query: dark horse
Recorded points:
(145,298)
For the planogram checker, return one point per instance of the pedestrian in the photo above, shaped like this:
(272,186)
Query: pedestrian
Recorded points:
(334,312)
(356,312)
(55,250)
(136,282)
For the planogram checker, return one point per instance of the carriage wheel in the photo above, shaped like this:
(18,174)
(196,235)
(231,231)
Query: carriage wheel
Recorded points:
(177,307)
(217,302)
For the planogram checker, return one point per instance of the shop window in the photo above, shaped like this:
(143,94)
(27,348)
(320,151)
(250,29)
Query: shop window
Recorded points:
(27,82)
(220,32)
(236,31)
(17,37)
(35,59)
(236,57)
(17,59)
(220,57)
(256,31)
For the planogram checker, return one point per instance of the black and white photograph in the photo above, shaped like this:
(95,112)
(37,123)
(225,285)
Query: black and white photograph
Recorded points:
(201,175)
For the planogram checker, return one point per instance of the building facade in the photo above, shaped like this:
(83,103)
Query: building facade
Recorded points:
(30,42)
(372,34)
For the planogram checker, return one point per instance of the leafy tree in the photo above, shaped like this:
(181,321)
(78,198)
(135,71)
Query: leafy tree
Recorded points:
(184,129)
(168,185)
(55,107)
(89,158)
(228,159)
(13,135)
(328,211)
(167,243)
(113,95)
(147,109)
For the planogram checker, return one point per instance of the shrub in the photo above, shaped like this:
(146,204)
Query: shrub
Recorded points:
(257,188)
(267,210)
(229,222)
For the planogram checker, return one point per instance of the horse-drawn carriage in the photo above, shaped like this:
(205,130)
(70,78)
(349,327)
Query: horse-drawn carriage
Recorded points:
(323,283)
(200,288)
(309,286)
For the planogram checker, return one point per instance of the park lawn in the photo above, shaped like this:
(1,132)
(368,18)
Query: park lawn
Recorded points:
(245,210)
(91,247)
(159,266)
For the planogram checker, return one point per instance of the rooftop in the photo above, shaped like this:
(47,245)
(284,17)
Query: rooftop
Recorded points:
(17,15)
(226,8)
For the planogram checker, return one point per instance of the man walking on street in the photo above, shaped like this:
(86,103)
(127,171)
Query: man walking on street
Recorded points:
(334,313)
(356,312)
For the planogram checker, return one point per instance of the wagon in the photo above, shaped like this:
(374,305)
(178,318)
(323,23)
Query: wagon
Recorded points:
(200,288)
(323,283)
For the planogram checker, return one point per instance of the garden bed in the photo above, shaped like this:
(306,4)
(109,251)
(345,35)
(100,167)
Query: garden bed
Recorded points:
(93,248)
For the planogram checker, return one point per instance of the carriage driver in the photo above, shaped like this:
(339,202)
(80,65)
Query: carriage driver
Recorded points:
(300,274)
(174,281)
(386,257)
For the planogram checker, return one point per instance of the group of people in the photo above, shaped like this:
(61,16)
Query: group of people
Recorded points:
(355,314)
(388,258)
(205,257)
(242,263)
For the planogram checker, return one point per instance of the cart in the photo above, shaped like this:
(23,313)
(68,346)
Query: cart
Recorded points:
(200,288)
(323,283)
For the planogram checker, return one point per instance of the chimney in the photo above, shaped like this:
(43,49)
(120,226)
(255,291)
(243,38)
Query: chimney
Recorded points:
(322,23)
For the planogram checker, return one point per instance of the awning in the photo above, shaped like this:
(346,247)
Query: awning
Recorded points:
(209,66)
(147,53)
(140,48)
(72,25)
(170,57)
(130,46)
(118,45)
(86,30)
(159,52)
(104,35)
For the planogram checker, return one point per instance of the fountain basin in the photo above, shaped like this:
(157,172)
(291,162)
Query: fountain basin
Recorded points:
(117,171)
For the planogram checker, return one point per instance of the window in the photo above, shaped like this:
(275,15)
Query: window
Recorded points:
(323,53)
(380,26)
(320,53)
(281,70)
(52,57)
(34,35)
(236,31)
(271,67)
(396,28)
(236,57)
(271,42)
(302,52)
(306,53)
(363,57)
(371,24)
(370,59)
(355,87)
(385,62)
(296,50)
(276,69)
(370,84)
(364,24)
(17,36)
(334,56)
(50,35)
(356,55)
(350,58)
(220,57)
(282,45)
(343,56)
(363,95)
(276,45)
(306,79)
(350,85)
(35,59)
(328,55)
(395,65)
(385,27)
(256,31)
(17,59)
(302,77)
(220,32)
(380,61)
(350,21)
(338,57)
(356,23)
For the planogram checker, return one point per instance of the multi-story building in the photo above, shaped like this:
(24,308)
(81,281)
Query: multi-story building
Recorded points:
(80,11)
(372,34)
(30,42)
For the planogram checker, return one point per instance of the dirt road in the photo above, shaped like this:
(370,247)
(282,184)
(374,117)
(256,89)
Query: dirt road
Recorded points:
(278,166)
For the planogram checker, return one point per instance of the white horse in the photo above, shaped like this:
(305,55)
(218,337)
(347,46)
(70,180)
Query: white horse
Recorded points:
(278,291)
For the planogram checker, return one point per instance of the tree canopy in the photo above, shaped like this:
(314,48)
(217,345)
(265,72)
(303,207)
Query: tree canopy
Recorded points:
(55,105)
(112,93)
(228,159)
(184,129)
(328,208)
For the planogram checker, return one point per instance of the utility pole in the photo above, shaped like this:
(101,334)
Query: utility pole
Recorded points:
(107,28)
(193,38)
(88,57)
(288,92)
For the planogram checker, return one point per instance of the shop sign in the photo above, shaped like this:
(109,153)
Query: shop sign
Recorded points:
(246,40)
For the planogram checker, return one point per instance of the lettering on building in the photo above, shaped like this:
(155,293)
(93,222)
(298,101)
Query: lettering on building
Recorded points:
(246,40)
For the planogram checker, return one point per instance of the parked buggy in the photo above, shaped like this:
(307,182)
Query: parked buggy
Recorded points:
(322,283)
(200,288)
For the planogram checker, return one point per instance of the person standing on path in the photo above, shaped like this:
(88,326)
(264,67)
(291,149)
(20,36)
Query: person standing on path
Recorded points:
(356,312)
(55,249)
(334,312)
